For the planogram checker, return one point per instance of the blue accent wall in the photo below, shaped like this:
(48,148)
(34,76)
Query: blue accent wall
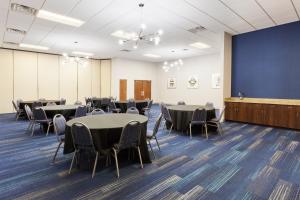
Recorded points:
(266,63)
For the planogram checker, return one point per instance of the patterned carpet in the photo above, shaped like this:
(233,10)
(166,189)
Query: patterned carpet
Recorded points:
(247,162)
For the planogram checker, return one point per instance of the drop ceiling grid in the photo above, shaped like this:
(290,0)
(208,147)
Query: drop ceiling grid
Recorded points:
(281,11)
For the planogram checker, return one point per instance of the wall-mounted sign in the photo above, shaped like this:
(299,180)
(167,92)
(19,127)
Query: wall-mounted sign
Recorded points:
(215,81)
(193,82)
(171,83)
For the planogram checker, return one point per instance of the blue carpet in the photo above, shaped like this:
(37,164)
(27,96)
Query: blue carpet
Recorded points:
(247,162)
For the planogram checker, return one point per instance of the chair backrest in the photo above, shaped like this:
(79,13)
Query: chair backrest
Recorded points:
(62,101)
(59,123)
(166,113)
(181,103)
(16,107)
(199,115)
(112,105)
(39,114)
(150,104)
(220,113)
(78,103)
(18,102)
(82,137)
(28,112)
(89,107)
(98,111)
(88,100)
(81,111)
(209,105)
(37,104)
(157,124)
(130,136)
(51,104)
(131,103)
(132,110)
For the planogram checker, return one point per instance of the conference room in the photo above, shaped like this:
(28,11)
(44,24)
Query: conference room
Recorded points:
(149,99)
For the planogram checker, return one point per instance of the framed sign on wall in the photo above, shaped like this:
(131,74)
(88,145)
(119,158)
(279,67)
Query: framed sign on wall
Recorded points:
(193,82)
(215,81)
(171,83)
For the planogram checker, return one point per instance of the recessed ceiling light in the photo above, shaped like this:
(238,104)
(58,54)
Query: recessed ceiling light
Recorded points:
(82,53)
(23,9)
(16,31)
(152,55)
(31,46)
(200,45)
(59,18)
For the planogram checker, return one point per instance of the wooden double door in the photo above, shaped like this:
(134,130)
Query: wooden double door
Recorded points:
(142,89)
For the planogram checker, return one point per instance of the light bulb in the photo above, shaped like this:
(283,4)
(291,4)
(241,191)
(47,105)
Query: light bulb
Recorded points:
(77,59)
(65,54)
(135,46)
(121,42)
(160,32)
(143,26)
(176,63)
(156,40)
(172,65)
(165,63)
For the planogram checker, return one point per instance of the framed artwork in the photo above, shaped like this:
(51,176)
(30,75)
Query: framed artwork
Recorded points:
(193,82)
(171,83)
(215,81)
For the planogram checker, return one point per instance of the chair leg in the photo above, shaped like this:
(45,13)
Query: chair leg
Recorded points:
(117,164)
(190,131)
(220,128)
(33,127)
(95,164)
(170,128)
(72,162)
(53,160)
(157,143)
(48,129)
(205,126)
(151,149)
(29,126)
(138,148)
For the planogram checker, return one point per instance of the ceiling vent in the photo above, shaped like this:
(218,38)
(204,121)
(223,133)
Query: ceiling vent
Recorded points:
(15,31)
(125,50)
(23,9)
(197,29)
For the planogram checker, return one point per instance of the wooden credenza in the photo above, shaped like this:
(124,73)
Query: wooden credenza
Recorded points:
(272,112)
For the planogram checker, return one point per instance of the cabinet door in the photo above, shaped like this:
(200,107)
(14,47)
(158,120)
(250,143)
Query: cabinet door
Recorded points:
(270,114)
(294,117)
(229,111)
(258,114)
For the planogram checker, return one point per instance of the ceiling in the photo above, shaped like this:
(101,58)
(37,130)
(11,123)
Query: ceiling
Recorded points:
(175,17)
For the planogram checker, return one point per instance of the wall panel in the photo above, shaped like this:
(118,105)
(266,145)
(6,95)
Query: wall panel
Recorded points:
(96,73)
(25,75)
(6,80)
(84,81)
(48,76)
(68,81)
(105,78)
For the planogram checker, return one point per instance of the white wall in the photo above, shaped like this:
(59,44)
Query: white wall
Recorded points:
(203,67)
(134,70)
(29,76)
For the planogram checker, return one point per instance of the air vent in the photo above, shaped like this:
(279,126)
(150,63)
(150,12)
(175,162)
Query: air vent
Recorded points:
(23,9)
(197,29)
(125,50)
(15,31)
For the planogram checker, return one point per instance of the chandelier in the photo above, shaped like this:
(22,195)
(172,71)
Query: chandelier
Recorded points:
(171,65)
(135,38)
(79,60)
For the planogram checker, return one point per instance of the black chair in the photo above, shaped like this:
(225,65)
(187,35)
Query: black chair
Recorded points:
(36,104)
(130,138)
(80,111)
(18,110)
(105,102)
(148,108)
(216,122)
(199,118)
(113,108)
(97,111)
(89,107)
(132,110)
(209,105)
(181,103)
(131,103)
(29,116)
(166,116)
(59,123)
(62,101)
(51,104)
(40,118)
(83,140)
(152,134)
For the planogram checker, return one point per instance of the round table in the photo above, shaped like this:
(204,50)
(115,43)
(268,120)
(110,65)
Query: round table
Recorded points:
(66,110)
(29,103)
(182,115)
(140,104)
(106,130)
